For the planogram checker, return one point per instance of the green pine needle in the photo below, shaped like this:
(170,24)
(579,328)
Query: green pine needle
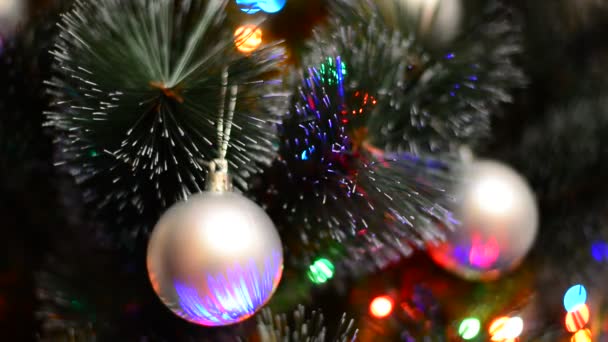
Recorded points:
(138,91)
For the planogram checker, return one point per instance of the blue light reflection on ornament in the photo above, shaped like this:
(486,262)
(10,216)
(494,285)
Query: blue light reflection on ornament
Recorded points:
(575,296)
(236,295)
(254,6)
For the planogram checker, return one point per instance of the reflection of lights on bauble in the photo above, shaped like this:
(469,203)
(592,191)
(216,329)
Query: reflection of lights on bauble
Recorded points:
(582,336)
(381,307)
(575,296)
(248,38)
(496,221)
(506,328)
(321,271)
(469,328)
(215,259)
(577,319)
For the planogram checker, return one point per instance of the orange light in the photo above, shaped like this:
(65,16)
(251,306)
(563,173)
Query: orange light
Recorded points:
(582,336)
(497,327)
(577,319)
(506,329)
(247,38)
(381,306)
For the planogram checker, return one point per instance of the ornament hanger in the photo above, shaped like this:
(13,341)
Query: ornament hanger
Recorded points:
(218,179)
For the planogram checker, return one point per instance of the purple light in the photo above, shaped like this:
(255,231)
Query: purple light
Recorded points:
(229,297)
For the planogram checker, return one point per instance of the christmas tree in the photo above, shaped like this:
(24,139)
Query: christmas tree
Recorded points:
(345,170)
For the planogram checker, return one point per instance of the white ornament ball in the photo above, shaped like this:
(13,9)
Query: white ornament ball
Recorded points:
(438,21)
(215,259)
(496,223)
(11,13)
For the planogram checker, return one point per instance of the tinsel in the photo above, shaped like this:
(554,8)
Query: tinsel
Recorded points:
(138,92)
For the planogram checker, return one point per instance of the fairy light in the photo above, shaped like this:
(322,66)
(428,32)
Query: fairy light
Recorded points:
(506,328)
(469,328)
(321,271)
(381,307)
(582,336)
(577,319)
(248,38)
(575,296)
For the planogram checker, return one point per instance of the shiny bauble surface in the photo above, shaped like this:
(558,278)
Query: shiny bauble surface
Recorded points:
(496,223)
(215,259)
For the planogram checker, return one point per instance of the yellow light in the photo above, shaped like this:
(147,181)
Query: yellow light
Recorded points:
(506,328)
(577,319)
(248,38)
(582,336)
(381,306)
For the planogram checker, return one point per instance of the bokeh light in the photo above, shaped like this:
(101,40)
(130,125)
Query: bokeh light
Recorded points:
(582,336)
(575,296)
(577,319)
(254,6)
(506,328)
(321,271)
(599,251)
(469,328)
(248,38)
(381,307)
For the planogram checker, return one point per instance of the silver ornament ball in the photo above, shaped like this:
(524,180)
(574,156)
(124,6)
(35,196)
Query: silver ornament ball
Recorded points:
(496,223)
(215,259)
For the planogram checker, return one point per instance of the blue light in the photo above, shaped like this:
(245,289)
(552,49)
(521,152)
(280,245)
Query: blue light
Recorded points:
(229,297)
(254,6)
(599,251)
(271,6)
(575,296)
(248,6)
(450,56)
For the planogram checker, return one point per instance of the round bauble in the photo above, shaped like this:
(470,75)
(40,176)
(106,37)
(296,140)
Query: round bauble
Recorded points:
(437,21)
(215,259)
(496,222)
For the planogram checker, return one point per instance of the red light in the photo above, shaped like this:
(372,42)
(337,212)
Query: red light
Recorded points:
(577,319)
(381,307)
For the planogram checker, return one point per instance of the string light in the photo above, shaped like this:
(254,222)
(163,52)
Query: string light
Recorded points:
(575,296)
(248,38)
(254,6)
(582,336)
(469,328)
(381,307)
(577,319)
(321,271)
(506,328)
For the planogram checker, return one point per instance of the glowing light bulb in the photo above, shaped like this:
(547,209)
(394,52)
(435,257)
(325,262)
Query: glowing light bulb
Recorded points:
(254,6)
(506,328)
(381,307)
(582,336)
(321,271)
(469,328)
(577,319)
(248,38)
(575,296)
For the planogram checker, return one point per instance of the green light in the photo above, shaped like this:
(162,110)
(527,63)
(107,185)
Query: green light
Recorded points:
(321,271)
(469,328)
(93,153)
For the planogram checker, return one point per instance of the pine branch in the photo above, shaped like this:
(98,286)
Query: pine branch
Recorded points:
(427,100)
(138,93)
